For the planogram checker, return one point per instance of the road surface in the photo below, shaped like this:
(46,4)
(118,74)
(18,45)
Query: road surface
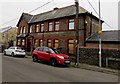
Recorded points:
(17,69)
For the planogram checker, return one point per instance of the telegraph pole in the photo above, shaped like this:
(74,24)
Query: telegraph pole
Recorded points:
(77,31)
(100,32)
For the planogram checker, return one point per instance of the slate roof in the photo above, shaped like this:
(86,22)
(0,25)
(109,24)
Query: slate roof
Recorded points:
(107,36)
(54,14)
(57,13)
(27,17)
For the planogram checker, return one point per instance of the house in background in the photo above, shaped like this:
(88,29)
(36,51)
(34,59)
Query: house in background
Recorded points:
(56,28)
(8,35)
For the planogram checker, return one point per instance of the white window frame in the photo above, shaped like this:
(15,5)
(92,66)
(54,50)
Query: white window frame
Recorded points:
(71,24)
(37,28)
(23,41)
(57,26)
(30,29)
(18,43)
(24,28)
(50,26)
(42,28)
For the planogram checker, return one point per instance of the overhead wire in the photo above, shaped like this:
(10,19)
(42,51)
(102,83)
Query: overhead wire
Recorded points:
(40,6)
(98,14)
(28,12)
(9,21)
(50,2)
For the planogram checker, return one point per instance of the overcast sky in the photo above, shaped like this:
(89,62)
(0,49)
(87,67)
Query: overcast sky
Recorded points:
(12,9)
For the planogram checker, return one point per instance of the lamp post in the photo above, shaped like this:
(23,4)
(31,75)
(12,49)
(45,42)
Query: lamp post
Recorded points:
(77,31)
(100,32)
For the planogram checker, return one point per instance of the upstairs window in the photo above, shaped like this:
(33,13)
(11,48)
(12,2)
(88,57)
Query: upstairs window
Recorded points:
(57,25)
(50,26)
(37,28)
(42,28)
(24,28)
(30,29)
(71,24)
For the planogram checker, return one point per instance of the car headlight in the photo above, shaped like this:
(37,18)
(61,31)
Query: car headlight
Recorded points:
(61,57)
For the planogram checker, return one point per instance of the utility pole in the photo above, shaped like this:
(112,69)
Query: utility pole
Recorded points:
(77,31)
(100,32)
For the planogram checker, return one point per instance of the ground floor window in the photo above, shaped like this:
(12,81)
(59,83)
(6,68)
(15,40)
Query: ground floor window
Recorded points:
(40,42)
(18,43)
(36,43)
(23,41)
(71,46)
(49,43)
(56,43)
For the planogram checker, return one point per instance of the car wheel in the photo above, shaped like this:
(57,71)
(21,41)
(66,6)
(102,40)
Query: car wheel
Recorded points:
(35,59)
(53,62)
(4,52)
(12,54)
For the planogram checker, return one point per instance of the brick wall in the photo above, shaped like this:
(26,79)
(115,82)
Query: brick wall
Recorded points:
(23,23)
(63,34)
(91,56)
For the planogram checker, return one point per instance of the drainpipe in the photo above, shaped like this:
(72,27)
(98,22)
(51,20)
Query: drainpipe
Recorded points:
(90,24)
(85,23)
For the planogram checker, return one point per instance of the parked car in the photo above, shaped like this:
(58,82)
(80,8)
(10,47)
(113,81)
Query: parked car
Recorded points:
(53,56)
(14,51)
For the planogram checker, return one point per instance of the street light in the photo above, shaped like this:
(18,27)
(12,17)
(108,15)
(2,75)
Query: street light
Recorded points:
(100,32)
(77,31)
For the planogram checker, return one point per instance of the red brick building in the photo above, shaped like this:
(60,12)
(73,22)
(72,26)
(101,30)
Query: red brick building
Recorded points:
(56,28)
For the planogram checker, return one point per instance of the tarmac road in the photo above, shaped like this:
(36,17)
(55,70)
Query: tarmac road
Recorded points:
(24,70)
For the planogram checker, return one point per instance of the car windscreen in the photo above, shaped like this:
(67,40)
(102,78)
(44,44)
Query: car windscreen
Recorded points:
(55,51)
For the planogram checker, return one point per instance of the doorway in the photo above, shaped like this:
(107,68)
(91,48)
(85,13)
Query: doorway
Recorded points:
(28,45)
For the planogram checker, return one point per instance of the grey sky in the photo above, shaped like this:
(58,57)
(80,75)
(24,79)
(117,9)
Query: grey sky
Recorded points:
(11,9)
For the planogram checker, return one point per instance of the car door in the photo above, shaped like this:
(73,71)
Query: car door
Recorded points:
(46,54)
(40,53)
(12,50)
(8,51)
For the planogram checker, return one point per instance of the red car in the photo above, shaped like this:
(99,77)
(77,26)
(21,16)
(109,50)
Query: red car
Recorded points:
(53,56)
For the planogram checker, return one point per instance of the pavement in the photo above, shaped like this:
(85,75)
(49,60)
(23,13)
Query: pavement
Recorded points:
(96,68)
(93,68)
